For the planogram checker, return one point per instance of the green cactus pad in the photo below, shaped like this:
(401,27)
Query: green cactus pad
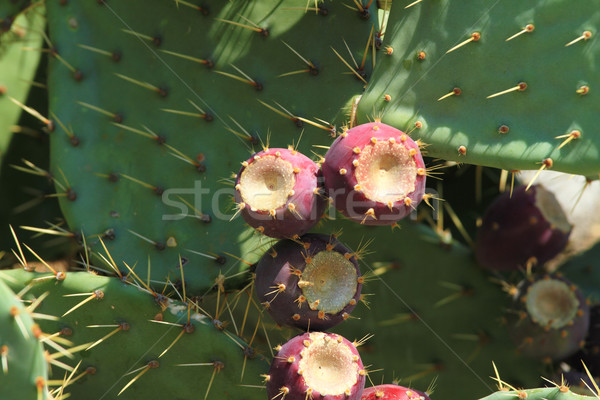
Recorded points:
(17,68)
(515,130)
(434,314)
(9,11)
(156,103)
(149,107)
(118,332)
(461,335)
(539,394)
(26,195)
(23,369)
(582,270)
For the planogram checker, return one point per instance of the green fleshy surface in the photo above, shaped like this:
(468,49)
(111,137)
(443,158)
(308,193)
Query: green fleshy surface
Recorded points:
(584,272)
(24,361)
(549,107)
(128,350)
(17,68)
(459,334)
(9,10)
(538,394)
(27,199)
(127,206)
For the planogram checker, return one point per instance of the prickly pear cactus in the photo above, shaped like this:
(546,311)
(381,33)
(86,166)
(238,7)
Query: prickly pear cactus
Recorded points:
(154,105)
(9,11)
(23,368)
(419,295)
(499,84)
(583,271)
(126,339)
(154,116)
(17,66)
(558,393)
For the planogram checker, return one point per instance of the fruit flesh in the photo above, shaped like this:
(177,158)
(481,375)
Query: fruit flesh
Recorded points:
(266,183)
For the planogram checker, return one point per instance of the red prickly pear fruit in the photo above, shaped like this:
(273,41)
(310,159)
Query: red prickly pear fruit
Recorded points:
(375,174)
(310,283)
(316,365)
(392,392)
(551,318)
(277,192)
(529,226)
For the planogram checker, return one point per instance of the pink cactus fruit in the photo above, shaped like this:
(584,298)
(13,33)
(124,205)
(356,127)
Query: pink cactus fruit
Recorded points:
(375,174)
(310,283)
(529,227)
(392,392)
(277,192)
(316,365)
(551,317)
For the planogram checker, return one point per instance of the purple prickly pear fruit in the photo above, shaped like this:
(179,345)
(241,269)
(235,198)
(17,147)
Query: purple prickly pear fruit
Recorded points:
(375,174)
(590,354)
(529,227)
(310,283)
(392,392)
(316,365)
(277,192)
(551,318)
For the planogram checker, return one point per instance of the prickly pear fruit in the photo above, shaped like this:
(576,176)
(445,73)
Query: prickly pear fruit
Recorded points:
(375,174)
(551,318)
(529,226)
(590,354)
(392,392)
(277,192)
(592,359)
(312,283)
(316,365)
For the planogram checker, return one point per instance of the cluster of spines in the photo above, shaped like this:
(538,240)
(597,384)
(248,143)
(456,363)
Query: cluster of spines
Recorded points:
(572,41)
(122,121)
(159,140)
(23,365)
(104,311)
